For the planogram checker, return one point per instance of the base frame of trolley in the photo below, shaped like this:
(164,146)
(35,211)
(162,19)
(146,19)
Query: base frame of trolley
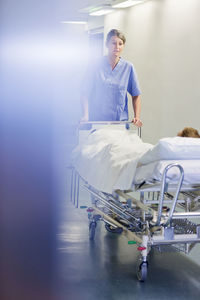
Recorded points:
(161,218)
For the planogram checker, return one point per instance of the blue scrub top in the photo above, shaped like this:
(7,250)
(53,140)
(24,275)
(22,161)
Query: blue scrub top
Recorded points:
(106,90)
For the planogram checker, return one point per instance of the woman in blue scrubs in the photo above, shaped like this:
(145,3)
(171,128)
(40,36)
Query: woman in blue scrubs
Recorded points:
(104,91)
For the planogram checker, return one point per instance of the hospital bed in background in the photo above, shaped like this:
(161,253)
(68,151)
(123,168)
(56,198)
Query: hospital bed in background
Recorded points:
(160,210)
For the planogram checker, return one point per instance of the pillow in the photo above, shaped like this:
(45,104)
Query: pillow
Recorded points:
(173,148)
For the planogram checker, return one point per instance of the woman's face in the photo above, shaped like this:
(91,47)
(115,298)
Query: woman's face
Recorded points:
(115,46)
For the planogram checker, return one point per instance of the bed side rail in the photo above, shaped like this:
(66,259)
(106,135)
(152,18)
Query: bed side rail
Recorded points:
(164,189)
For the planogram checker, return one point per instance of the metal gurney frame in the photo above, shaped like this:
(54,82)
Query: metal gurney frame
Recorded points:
(159,219)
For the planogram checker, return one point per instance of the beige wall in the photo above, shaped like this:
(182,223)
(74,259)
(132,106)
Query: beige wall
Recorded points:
(163,42)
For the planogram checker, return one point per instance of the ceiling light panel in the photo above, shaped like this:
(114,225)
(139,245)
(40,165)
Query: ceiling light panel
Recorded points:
(74,22)
(101,12)
(128,3)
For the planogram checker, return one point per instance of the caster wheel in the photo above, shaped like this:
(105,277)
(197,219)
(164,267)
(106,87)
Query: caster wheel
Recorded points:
(92,228)
(142,272)
(112,229)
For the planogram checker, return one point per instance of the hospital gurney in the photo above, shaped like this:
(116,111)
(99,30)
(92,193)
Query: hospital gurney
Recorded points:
(164,217)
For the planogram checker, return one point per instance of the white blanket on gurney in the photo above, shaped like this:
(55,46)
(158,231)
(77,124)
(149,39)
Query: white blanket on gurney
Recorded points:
(108,158)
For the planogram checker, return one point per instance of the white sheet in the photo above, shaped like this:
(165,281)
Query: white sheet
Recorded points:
(153,171)
(108,158)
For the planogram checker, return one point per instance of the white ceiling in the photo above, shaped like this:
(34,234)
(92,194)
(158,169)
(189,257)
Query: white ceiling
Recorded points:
(23,15)
(70,10)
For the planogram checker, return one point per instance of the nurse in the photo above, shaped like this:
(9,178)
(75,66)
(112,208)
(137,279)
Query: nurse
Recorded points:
(105,87)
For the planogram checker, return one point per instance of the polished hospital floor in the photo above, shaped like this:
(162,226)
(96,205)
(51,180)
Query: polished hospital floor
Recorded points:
(106,267)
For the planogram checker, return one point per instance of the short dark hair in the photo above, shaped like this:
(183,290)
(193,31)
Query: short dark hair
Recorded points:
(115,32)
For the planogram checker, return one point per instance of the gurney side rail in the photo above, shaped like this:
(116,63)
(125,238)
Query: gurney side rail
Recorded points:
(164,189)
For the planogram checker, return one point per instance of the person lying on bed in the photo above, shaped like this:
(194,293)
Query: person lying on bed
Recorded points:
(192,133)
(189,132)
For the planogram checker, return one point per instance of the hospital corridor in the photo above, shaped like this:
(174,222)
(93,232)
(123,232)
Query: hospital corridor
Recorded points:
(99,150)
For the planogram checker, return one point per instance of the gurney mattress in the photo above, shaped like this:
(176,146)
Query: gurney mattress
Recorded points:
(153,172)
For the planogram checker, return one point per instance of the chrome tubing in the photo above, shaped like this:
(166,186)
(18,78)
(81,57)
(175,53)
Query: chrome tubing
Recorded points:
(106,122)
(164,188)
(112,205)
(112,123)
